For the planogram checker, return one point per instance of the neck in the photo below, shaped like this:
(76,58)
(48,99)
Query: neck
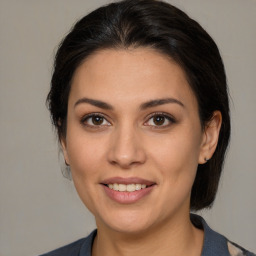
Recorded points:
(177,237)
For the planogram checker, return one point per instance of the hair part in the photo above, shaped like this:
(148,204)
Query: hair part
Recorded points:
(168,30)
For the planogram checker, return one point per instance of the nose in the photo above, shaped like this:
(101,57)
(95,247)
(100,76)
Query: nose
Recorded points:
(126,148)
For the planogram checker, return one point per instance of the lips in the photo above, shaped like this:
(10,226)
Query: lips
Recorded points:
(126,181)
(127,190)
(129,187)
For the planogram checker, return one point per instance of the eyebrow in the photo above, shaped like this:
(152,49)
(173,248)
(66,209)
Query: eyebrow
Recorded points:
(158,102)
(143,106)
(96,103)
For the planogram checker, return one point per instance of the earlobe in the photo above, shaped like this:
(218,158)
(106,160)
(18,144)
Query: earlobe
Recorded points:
(210,137)
(64,150)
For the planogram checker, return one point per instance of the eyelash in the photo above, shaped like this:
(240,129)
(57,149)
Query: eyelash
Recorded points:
(84,120)
(167,117)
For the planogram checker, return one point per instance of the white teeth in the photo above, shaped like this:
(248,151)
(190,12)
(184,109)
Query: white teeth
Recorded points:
(138,186)
(115,187)
(122,187)
(128,188)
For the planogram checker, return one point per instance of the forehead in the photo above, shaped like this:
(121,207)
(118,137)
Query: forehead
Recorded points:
(131,75)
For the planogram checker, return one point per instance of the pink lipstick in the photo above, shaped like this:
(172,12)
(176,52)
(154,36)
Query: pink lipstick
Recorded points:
(127,190)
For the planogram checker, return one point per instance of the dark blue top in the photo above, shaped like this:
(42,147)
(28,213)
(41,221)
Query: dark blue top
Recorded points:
(214,244)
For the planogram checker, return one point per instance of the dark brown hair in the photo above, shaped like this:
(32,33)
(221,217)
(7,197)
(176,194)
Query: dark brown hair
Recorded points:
(163,27)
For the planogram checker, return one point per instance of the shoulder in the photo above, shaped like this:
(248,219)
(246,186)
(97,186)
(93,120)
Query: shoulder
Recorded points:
(237,250)
(216,244)
(75,248)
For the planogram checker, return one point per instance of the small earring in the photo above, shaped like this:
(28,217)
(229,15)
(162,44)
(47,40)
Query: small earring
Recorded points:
(206,159)
(66,172)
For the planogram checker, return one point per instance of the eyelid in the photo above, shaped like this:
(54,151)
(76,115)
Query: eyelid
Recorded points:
(169,117)
(87,116)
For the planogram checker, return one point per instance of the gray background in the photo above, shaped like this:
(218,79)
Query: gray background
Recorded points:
(40,210)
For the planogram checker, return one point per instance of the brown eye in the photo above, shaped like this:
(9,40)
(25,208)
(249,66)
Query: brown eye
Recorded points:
(97,120)
(94,120)
(159,120)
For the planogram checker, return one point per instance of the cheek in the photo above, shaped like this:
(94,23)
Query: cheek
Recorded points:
(176,165)
(86,162)
(177,156)
(84,150)
(85,156)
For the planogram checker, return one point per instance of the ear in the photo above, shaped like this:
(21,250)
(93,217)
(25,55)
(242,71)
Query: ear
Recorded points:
(210,137)
(63,144)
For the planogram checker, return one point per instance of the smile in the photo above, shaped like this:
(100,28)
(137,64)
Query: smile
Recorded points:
(126,188)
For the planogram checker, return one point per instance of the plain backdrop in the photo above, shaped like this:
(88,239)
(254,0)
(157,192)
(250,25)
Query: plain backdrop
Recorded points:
(39,208)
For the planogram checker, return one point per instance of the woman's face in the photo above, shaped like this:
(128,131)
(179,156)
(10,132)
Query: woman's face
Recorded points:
(133,122)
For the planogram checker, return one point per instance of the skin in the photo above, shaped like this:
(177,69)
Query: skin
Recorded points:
(130,143)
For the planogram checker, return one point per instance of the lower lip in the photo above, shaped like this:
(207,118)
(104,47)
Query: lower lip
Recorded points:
(127,197)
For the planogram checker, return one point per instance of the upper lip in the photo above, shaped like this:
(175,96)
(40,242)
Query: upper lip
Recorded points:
(126,181)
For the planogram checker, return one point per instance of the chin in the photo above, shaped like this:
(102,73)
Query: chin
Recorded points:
(126,222)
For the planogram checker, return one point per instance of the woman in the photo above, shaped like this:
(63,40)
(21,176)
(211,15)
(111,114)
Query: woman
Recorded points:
(139,100)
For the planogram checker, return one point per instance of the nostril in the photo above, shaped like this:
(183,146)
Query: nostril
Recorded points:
(125,148)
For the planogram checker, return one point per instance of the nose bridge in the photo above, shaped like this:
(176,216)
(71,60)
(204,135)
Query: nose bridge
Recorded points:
(126,148)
